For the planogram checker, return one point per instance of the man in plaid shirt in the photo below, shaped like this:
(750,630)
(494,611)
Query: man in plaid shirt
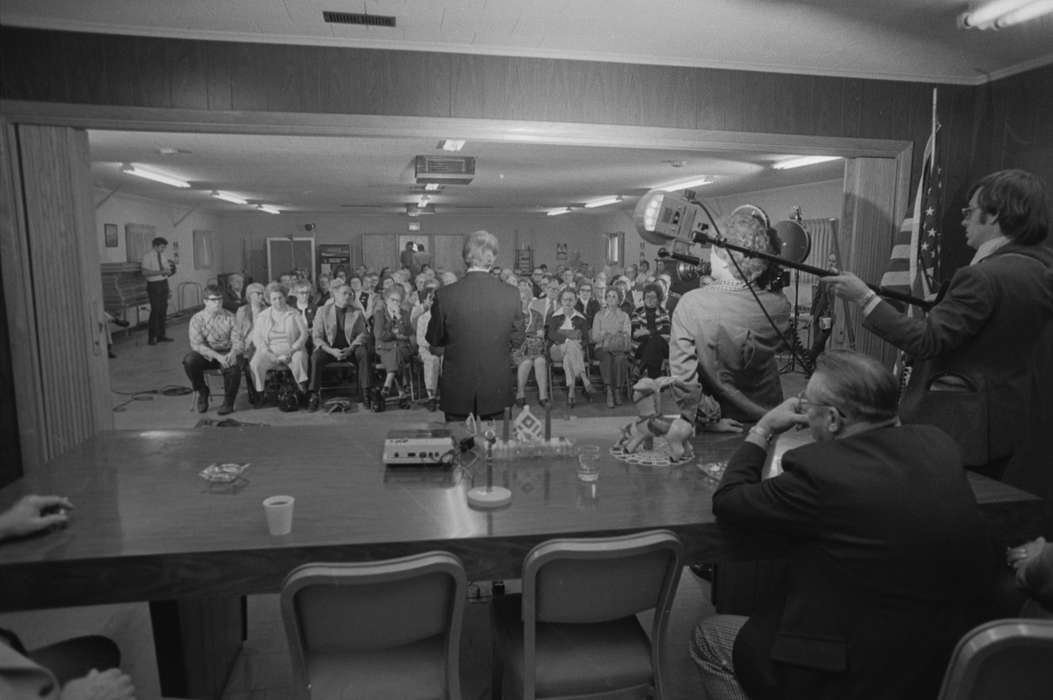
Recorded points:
(215,343)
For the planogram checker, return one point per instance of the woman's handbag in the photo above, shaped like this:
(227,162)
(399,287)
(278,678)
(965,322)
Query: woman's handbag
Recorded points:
(618,342)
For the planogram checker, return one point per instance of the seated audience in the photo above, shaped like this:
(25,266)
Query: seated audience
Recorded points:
(431,362)
(887,554)
(394,337)
(216,342)
(82,668)
(321,296)
(340,334)
(234,292)
(246,317)
(302,299)
(611,333)
(587,304)
(650,332)
(567,334)
(280,336)
(531,354)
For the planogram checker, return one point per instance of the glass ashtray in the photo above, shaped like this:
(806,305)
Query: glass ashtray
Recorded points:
(223,473)
(713,471)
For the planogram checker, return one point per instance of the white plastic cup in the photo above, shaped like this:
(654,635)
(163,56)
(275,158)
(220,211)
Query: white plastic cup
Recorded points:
(279,511)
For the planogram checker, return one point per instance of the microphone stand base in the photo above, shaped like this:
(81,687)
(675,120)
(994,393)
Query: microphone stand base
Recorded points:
(493,497)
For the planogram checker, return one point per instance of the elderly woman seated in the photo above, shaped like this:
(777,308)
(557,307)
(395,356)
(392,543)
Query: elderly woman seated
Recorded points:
(279,335)
(567,334)
(531,354)
(650,329)
(611,334)
(394,336)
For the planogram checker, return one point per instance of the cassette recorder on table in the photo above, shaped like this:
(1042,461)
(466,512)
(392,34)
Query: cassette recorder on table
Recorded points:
(418,446)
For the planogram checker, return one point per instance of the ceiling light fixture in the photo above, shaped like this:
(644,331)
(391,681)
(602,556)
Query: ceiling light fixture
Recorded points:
(452,145)
(1004,13)
(699,181)
(140,171)
(432,187)
(227,197)
(802,162)
(603,202)
(558,212)
(423,201)
(268,208)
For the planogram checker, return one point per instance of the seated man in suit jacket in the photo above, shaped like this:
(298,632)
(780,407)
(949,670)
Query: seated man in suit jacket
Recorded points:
(340,334)
(887,554)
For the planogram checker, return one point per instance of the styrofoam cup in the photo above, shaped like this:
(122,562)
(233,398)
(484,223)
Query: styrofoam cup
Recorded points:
(279,511)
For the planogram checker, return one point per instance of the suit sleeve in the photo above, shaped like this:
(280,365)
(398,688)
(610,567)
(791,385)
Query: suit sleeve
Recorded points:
(318,329)
(969,303)
(786,504)
(518,336)
(436,333)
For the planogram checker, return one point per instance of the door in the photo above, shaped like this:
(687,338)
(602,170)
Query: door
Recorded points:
(379,251)
(448,253)
(287,254)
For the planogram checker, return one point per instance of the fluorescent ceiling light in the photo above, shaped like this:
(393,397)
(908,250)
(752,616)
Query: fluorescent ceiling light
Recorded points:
(432,187)
(1003,13)
(452,145)
(558,212)
(269,208)
(803,161)
(699,181)
(603,202)
(140,171)
(422,202)
(227,197)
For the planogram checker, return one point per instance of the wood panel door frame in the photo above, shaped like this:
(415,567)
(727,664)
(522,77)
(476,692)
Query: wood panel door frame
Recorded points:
(82,116)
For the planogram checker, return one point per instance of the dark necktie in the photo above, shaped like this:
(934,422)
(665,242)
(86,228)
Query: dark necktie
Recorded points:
(160,265)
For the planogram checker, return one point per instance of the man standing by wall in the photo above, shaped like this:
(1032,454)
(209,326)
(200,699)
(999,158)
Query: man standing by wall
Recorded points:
(157,268)
(477,321)
(972,350)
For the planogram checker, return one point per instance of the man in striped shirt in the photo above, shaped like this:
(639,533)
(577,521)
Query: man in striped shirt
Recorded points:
(215,343)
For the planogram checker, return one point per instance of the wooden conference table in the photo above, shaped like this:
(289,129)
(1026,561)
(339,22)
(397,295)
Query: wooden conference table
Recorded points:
(148,528)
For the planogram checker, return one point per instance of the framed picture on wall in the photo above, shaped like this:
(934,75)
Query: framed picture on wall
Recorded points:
(109,235)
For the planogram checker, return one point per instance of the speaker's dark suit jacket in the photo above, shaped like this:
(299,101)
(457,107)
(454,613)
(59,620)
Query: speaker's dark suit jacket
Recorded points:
(478,320)
(886,556)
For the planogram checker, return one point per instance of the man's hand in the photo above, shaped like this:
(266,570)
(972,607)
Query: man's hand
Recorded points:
(1018,557)
(640,333)
(227,360)
(724,425)
(847,286)
(112,684)
(783,417)
(32,514)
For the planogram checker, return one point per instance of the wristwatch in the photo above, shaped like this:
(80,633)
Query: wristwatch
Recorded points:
(762,433)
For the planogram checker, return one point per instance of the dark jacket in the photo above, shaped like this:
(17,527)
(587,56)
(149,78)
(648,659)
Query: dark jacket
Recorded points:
(887,555)
(478,320)
(984,331)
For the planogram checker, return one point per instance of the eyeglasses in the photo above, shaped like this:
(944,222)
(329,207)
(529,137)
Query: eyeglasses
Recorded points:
(804,403)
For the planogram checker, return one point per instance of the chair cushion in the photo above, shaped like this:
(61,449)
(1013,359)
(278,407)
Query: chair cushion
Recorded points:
(414,671)
(575,659)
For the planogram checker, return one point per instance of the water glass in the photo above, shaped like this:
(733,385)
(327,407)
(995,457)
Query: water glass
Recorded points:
(588,462)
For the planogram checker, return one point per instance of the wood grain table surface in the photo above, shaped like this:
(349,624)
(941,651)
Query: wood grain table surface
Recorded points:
(147,527)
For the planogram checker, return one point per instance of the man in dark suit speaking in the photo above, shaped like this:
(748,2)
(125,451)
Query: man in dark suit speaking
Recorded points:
(476,321)
(887,554)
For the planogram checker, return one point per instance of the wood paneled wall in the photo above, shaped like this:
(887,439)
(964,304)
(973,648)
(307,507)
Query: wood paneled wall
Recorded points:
(61,381)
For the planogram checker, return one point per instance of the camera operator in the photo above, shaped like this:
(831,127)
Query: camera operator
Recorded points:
(729,330)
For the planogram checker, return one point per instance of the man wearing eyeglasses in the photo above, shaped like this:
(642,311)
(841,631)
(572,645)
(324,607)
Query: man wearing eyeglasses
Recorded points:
(886,552)
(215,343)
(972,350)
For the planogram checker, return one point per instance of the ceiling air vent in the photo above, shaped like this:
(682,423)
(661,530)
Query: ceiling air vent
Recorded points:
(444,170)
(358,18)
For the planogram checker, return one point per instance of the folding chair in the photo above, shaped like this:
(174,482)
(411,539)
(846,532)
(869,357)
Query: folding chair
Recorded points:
(562,638)
(384,629)
(1002,659)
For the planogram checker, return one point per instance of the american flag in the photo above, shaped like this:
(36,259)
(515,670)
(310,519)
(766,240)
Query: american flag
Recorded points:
(914,266)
